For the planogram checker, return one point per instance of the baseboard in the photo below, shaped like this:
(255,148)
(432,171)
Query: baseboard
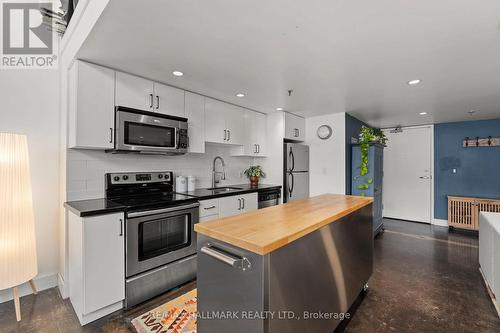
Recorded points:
(42,282)
(63,287)
(439,222)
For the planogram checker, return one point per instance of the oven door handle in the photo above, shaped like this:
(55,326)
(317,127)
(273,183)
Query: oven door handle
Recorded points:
(160,211)
(227,258)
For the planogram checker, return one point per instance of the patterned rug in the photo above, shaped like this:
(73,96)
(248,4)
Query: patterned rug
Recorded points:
(176,316)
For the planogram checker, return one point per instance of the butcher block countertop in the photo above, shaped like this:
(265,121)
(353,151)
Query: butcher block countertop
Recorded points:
(265,230)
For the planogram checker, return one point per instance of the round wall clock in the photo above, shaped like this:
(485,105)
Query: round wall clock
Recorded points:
(324,132)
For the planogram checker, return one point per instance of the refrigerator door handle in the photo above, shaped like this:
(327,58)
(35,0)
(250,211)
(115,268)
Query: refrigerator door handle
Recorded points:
(292,160)
(291,184)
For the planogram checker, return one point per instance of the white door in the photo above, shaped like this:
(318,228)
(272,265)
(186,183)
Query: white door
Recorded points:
(408,174)
(168,100)
(134,92)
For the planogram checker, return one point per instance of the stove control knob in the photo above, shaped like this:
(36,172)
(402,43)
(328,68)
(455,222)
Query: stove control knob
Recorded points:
(167,176)
(116,178)
(125,177)
(160,176)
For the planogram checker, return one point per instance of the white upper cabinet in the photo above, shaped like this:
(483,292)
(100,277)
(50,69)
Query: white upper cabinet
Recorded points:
(168,100)
(295,127)
(134,92)
(91,106)
(235,124)
(224,123)
(195,113)
(215,123)
(255,135)
(142,94)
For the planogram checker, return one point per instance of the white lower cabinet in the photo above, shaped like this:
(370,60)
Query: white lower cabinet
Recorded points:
(96,265)
(213,209)
(237,204)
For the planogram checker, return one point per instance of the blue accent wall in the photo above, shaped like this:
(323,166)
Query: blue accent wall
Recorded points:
(352,129)
(478,168)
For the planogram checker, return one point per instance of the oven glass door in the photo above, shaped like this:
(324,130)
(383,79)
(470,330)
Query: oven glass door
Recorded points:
(153,240)
(146,135)
(164,235)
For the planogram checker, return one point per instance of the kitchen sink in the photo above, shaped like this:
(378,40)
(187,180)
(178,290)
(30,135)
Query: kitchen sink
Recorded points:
(224,189)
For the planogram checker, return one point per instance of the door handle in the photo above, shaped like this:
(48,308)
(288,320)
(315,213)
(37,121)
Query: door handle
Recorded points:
(424,177)
(290,187)
(121,227)
(239,204)
(258,149)
(110,135)
(207,208)
(157,102)
(227,258)
(228,135)
(243,203)
(225,135)
(292,160)
(151,101)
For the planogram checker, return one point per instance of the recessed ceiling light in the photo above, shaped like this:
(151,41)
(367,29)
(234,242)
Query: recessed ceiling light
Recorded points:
(423,113)
(240,95)
(177,73)
(413,82)
(279,109)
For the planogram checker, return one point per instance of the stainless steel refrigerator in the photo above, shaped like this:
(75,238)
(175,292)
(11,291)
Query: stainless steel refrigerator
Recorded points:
(296,172)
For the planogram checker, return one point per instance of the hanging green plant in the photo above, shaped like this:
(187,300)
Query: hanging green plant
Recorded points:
(367,136)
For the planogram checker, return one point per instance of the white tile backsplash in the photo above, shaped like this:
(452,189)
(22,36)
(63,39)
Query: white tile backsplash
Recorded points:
(86,168)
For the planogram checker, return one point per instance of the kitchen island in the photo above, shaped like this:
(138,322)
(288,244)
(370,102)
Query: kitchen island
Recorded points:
(296,267)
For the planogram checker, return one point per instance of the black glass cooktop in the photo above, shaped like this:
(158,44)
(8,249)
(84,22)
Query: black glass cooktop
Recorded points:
(156,200)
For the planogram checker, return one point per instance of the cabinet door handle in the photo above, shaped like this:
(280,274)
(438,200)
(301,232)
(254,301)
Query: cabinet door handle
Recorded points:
(225,135)
(258,149)
(243,203)
(255,149)
(157,102)
(207,208)
(121,227)
(151,101)
(110,135)
(298,132)
(239,204)
(228,135)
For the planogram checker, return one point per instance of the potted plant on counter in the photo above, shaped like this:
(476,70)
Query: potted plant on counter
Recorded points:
(254,173)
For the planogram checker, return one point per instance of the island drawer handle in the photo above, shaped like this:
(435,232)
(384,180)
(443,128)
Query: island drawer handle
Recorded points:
(227,258)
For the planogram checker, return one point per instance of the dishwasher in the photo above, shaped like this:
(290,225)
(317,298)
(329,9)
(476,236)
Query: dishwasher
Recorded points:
(268,198)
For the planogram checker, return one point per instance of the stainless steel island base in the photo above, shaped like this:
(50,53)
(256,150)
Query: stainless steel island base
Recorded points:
(305,286)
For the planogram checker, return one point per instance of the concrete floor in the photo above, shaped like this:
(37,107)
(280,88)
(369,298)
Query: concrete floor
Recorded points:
(425,280)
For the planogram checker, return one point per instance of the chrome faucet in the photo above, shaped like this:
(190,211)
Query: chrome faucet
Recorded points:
(222,174)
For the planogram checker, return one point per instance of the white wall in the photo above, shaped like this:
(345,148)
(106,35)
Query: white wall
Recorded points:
(30,105)
(327,157)
(86,168)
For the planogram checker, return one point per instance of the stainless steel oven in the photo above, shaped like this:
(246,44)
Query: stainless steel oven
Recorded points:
(160,250)
(149,132)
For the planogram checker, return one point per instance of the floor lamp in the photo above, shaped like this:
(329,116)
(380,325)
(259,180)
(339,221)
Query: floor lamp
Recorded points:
(18,262)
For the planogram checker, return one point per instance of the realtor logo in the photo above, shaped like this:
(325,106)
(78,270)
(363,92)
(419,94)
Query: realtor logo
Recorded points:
(27,42)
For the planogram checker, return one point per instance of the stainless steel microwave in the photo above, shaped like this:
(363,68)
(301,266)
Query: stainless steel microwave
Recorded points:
(148,132)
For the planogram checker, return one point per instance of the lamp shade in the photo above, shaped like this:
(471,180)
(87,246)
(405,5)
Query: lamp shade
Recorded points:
(18,262)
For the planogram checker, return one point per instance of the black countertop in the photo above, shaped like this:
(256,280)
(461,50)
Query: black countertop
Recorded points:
(86,208)
(93,207)
(204,194)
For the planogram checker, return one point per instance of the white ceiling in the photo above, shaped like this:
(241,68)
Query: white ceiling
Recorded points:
(351,55)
